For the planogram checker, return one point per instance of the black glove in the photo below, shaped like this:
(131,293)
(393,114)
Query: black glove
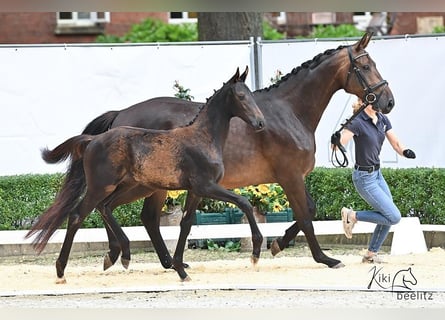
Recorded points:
(408,153)
(335,140)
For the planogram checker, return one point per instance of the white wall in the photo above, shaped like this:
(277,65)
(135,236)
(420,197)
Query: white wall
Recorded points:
(49,93)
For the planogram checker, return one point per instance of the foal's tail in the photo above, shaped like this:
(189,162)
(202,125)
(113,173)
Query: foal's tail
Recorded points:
(70,194)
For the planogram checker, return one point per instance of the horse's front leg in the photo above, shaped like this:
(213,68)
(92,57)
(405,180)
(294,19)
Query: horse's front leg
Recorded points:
(299,200)
(191,203)
(217,192)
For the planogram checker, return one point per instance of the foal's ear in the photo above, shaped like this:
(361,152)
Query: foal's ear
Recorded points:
(363,43)
(235,77)
(244,75)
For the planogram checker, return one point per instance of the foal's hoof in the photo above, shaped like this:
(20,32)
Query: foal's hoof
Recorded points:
(186,279)
(275,248)
(61,280)
(338,265)
(107,262)
(125,262)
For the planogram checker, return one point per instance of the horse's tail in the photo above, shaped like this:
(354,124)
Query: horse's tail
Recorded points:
(101,124)
(73,147)
(73,188)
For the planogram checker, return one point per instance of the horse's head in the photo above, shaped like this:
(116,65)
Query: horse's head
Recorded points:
(364,80)
(242,102)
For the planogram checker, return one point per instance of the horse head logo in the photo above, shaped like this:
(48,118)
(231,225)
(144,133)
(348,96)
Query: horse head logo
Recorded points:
(404,279)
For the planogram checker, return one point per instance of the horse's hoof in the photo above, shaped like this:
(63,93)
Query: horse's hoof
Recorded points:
(61,280)
(184,265)
(338,265)
(107,262)
(275,248)
(125,262)
(186,279)
(254,260)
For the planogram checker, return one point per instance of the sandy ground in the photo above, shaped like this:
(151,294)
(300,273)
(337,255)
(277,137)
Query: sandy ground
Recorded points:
(222,275)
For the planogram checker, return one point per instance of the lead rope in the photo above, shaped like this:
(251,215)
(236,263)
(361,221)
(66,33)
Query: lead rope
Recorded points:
(335,140)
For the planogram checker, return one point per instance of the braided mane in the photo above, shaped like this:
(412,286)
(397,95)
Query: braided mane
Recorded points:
(310,64)
(203,106)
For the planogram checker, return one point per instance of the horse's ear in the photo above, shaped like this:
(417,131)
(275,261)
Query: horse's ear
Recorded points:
(235,77)
(363,43)
(244,75)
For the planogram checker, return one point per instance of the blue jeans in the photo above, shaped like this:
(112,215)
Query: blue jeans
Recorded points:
(373,188)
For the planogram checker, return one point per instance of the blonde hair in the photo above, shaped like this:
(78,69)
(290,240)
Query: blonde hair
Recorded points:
(357,104)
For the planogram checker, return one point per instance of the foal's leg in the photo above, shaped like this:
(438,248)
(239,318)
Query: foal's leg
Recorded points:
(150,215)
(124,193)
(295,192)
(76,217)
(217,192)
(191,203)
(117,240)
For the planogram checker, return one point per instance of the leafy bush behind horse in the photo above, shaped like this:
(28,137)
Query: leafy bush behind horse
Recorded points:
(417,192)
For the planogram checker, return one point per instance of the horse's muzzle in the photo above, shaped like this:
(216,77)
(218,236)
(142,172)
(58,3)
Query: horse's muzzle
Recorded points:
(259,125)
(385,108)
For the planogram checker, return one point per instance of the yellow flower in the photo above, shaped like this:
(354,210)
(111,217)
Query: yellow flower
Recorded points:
(174,194)
(263,188)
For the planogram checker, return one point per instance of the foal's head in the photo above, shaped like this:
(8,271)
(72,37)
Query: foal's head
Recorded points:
(240,102)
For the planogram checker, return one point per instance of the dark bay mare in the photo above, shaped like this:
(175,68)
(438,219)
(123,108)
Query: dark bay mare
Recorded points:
(284,152)
(128,163)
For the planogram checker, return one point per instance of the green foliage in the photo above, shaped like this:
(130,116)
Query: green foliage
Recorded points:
(417,192)
(228,246)
(24,197)
(181,92)
(270,33)
(331,31)
(439,29)
(151,30)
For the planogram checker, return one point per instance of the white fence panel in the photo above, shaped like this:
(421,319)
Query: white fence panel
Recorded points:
(49,93)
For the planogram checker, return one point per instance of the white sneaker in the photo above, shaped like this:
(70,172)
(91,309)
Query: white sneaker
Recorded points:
(348,224)
(372,259)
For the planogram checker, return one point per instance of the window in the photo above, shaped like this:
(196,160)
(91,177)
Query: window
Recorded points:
(361,20)
(279,17)
(323,18)
(81,22)
(183,17)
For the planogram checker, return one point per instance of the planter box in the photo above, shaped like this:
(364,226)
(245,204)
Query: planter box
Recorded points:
(234,216)
(282,216)
(205,218)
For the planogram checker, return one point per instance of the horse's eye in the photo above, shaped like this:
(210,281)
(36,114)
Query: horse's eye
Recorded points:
(366,67)
(241,96)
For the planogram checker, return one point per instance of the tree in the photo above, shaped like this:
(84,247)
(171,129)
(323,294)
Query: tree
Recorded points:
(229,25)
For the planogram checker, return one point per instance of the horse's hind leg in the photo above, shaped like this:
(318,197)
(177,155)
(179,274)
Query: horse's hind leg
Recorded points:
(150,216)
(299,200)
(125,193)
(191,203)
(117,240)
(75,220)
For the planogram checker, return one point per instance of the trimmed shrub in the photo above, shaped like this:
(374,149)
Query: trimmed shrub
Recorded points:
(417,192)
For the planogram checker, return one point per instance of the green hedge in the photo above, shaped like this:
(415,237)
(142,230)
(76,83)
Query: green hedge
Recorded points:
(417,192)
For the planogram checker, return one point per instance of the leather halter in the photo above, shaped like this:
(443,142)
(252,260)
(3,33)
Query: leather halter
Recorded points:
(370,97)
